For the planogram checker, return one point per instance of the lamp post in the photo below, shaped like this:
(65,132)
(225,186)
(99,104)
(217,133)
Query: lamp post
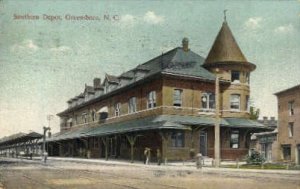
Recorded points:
(217,123)
(44,142)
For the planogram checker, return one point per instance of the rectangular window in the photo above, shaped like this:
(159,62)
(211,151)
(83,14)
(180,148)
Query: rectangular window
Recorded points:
(117,109)
(286,152)
(177,97)
(248,77)
(291,108)
(84,117)
(291,129)
(235,76)
(151,101)
(76,120)
(247,103)
(132,105)
(208,101)
(177,139)
(235,102)
(93,115)
(234,139)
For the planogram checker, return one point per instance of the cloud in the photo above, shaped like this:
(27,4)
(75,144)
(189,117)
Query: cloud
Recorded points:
(284,29)
(27,45)
(253,23)
(127,18)
(151,18)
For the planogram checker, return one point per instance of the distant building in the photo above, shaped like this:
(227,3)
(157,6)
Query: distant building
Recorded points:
(266,142)
(289,124)
(167,103)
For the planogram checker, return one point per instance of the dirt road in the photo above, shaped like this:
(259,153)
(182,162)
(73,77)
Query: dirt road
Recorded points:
(58,174)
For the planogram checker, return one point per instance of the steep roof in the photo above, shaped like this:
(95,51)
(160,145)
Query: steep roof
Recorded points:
(179,62)
(89,89)
(225,48)
(174,62)
(112,78)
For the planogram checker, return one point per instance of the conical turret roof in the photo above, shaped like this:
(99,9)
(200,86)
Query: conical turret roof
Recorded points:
(225,48)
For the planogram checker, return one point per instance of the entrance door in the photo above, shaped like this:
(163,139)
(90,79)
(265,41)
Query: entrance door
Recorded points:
(203,143)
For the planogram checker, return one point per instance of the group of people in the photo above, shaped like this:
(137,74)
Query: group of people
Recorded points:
(147,154)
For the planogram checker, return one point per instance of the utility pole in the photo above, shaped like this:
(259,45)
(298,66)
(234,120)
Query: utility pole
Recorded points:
(44,143)
(217,123)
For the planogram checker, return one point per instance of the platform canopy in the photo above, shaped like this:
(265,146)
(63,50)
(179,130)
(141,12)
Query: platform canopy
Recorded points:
(160,122)
(19,138)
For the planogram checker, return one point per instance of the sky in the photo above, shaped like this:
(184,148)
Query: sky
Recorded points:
(45,62)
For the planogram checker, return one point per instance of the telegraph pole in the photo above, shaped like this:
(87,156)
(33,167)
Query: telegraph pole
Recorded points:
(217,123)
(44,143)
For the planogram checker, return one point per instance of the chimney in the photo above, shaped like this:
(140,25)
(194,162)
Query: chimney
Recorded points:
(265,120)
(272,118)
(185,44)
(97,83)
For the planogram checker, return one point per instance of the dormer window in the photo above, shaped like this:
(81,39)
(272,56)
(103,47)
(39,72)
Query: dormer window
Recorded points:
(235,76)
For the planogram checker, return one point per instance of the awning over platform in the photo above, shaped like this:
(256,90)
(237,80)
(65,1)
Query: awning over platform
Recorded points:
(156,123)
(20,138)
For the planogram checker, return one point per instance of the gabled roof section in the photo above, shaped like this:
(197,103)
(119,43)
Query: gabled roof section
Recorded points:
(178,62)
(225,48)
(111,79)
(297,87)
(89,89)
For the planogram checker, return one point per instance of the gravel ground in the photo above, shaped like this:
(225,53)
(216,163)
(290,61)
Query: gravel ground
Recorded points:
(66,174)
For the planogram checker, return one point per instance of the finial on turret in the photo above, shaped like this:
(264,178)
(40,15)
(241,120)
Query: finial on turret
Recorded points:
(225,15)
(185,44)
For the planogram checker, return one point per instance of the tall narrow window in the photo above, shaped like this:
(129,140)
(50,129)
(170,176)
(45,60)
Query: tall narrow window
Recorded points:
(247,103)
(75,120)
(93,115)
(291,108)
(84,117)
(177,97)
(291,129)
(235,102)
(234,139)
(177,139)
(235,76)
(151,102)
(117,109)
(208,101)
(132,105)
(248,77)
(286,152)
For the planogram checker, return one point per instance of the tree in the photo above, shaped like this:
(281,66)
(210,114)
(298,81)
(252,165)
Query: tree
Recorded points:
(254,113)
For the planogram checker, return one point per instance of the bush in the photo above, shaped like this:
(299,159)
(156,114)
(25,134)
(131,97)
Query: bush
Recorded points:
(255,158)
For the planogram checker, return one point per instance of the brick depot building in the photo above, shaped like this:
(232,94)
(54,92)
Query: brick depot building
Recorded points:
(167,103)
(289,124)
